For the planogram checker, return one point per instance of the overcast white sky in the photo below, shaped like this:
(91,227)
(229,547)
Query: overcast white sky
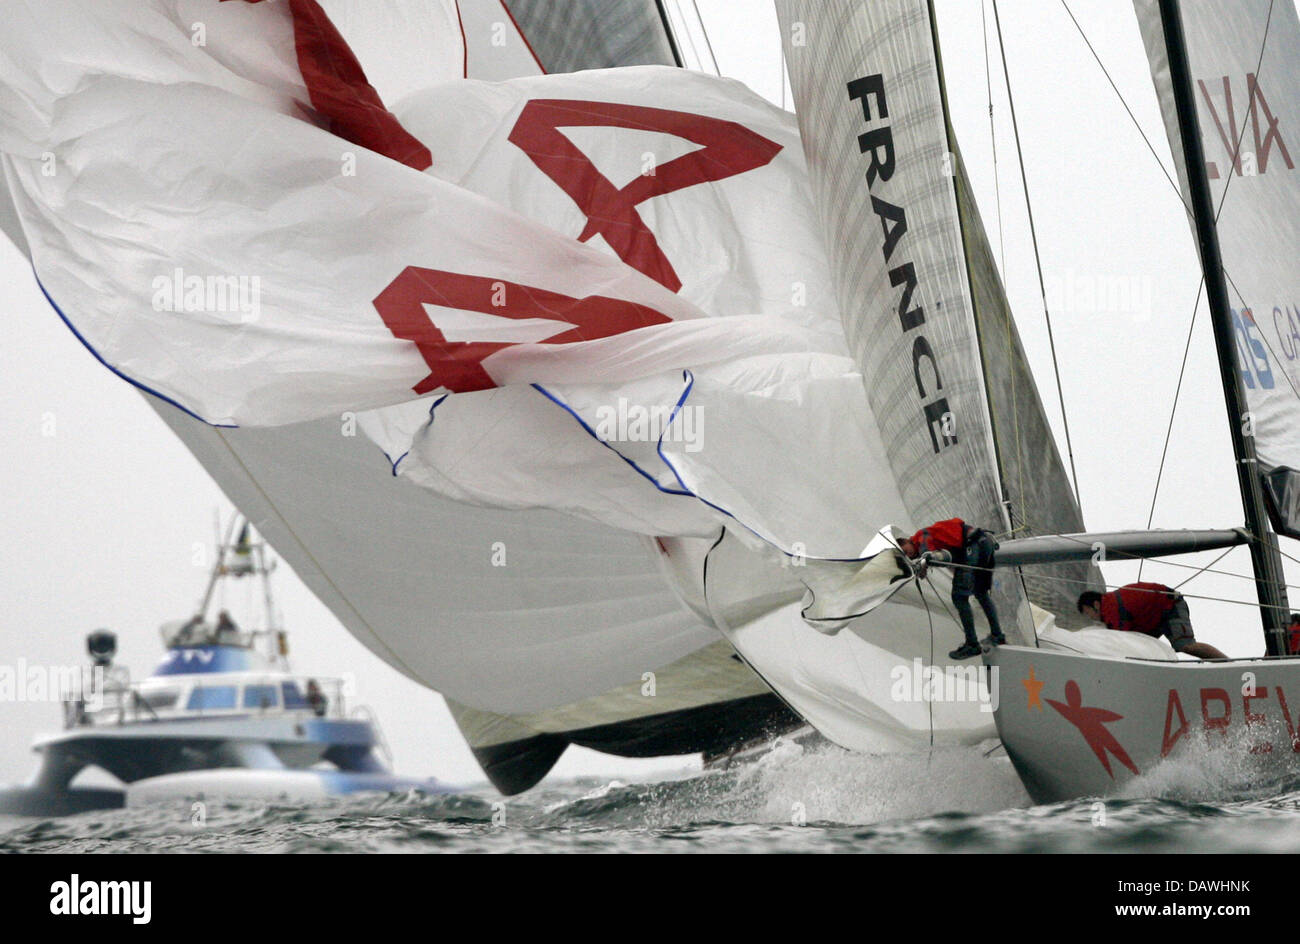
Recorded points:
(102,517)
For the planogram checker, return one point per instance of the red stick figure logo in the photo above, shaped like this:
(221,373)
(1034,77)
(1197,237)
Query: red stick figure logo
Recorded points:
(1091,723)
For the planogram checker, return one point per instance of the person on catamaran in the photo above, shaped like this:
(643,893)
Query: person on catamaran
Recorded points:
(227,632)
(1293,635)
(971,550)
(1150,608)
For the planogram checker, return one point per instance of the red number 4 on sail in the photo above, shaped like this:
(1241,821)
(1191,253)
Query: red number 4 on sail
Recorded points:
(726,149)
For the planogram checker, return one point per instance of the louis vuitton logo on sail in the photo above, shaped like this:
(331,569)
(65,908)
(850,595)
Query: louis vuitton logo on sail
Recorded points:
(878,144)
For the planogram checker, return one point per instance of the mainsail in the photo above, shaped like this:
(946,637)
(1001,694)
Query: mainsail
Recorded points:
(924,307)
(1248,105)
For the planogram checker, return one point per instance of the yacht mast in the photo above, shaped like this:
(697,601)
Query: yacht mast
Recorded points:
(1264,555)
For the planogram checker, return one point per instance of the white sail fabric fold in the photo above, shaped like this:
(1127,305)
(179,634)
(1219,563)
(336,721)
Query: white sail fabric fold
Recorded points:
(211,301)
(859,586)
(877,677)
(433,47)
(504,611)
(713,245)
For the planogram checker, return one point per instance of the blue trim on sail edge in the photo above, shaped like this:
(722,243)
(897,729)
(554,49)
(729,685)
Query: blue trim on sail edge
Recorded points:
(685,490)
(593,434)
(432,407)
(135,383)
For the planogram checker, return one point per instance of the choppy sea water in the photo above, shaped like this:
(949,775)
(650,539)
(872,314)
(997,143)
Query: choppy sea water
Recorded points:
(792,800)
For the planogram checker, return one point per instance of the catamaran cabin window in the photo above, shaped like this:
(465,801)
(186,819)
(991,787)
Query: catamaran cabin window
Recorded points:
(218,696)
(293,698)
(259,696)
(162,698)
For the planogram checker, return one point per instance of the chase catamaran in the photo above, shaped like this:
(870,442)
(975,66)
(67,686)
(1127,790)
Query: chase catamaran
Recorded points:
(577,394)
(222,715)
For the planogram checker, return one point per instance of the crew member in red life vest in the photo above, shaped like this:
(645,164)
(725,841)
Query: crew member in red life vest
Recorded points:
(1150,608)
(971,549)
(1293,635)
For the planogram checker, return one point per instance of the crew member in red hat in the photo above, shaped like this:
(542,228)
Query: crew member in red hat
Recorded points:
(970,550)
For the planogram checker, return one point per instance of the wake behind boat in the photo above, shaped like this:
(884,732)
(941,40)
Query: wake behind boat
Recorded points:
(222,715)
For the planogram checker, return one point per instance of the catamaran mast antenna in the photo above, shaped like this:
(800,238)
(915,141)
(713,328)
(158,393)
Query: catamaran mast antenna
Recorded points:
(1264,554)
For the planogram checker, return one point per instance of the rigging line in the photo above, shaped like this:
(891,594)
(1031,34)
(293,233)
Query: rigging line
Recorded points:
(930,618)
(1119,557)
(1280,551)
(1207,567)
(1241,135)
(1002,266)
(1173,410)
(921,585)
(1164,452)
(1150,147)
(782,76)
(1236,156)
(1145,139)
(1124,557)
(993,138)
(707,42)
(1177,191)
(1218,211)
(1250,106)
(690,36)
(1193,596)
(1038,263)
(952,615)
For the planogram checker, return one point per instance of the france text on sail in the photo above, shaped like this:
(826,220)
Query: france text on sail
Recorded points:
(878,144)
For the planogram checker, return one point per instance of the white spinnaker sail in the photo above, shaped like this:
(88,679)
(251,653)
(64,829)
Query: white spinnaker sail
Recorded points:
(410,574)
(591,592)
(330,505)
(1242,59)
(588,655)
